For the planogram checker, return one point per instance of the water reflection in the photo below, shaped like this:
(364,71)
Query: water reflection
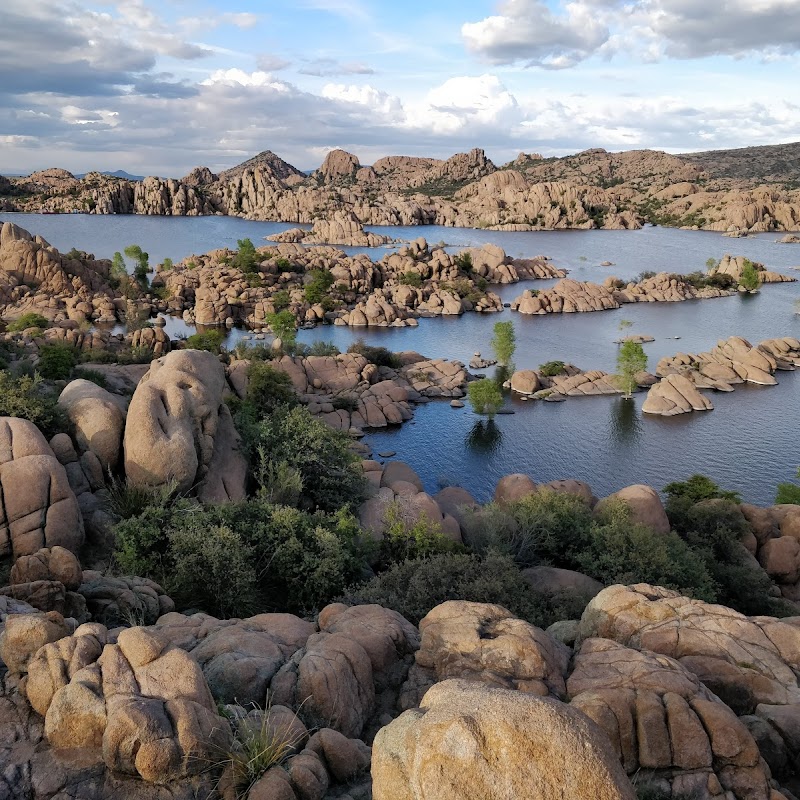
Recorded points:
(484,437)
(625,421)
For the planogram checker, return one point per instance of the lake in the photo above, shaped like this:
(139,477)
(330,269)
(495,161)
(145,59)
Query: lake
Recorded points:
(749,442)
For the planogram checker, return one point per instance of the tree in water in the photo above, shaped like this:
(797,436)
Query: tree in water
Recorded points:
(504,342)
(485,397)
(631,360)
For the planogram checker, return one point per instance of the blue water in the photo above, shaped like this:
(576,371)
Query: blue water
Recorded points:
(749,442)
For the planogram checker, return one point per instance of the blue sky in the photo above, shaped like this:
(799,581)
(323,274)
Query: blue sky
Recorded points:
(157,88)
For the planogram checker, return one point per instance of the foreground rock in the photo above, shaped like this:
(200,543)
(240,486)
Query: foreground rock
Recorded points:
(467,740)
(37,507)
(179,431)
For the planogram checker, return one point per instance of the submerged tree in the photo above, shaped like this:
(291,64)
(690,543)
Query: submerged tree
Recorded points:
(504,342)
(485,397)
(631,360)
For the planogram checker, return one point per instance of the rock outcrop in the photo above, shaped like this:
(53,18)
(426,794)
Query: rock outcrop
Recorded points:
(468,740)
(179,432)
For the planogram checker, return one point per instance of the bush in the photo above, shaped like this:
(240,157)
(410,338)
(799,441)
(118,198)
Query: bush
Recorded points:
(211,341)
(485,397)
(380,356)
(323,349)
(621,551)
(268,388)
(404,539)
(318,286)
(283,326)
(545,527)
(411,278)
(125,500)
(235,559)
(552,368)
(280,299)
(683,495)
(56,361)
(246,258)
(28,398)
(30,320)
(464,261)
(331,472)
(750,279)
(91,375)
(414,587)
(788,493)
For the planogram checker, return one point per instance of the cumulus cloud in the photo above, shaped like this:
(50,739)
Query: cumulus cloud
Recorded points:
(326,67)
(527,30)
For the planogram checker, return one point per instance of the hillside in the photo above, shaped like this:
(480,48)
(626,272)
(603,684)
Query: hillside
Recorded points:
(775,163)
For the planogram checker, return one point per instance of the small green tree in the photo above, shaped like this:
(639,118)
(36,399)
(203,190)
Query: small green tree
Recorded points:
(142,266)
(504,342)
(712,264)
(246,258)
(485,397)
(319,285)
(283,326)
(750,278)
(631,360)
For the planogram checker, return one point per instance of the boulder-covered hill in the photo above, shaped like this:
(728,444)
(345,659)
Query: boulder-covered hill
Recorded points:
(728,190)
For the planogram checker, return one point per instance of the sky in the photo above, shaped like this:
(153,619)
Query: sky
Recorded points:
(162,87)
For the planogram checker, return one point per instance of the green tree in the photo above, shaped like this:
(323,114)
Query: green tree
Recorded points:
(246,257)
(750,279)
(504,342)
(318,286)
(631,360)
(142,263)
(283,326)
(485,397)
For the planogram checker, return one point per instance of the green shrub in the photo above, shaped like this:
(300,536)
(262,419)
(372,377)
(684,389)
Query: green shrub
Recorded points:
(30,320)
(323,349)
(414,587)
(27,397)
(464,261)
(234,559)
(411,278)
(485,396)
(56,361)
(750,278)
(345,402)
(788,492)
(545,527)
(124,500)
(280,299)
(268,388)
(405,539)
(331,472)
(320,282)
(211,341)
(380,356)
(621,551)
(683,495)
(92,375)
(552,368)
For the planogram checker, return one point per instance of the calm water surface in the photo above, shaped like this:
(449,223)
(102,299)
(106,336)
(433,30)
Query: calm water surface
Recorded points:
(749,442)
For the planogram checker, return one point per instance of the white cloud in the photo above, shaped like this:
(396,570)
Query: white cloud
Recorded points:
(269,62)
(238,77)
(526,30)
(326,67)
(373,99)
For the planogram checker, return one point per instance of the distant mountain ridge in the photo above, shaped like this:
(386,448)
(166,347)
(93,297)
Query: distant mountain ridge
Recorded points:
(119,173)
(747,190)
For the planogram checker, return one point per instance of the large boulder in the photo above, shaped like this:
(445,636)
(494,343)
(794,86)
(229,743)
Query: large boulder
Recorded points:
(663,723)
(645,504)
(97,418)
(24,634)
(37,506)
(745,661)
(180,431)
(488,743)
(511,488)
